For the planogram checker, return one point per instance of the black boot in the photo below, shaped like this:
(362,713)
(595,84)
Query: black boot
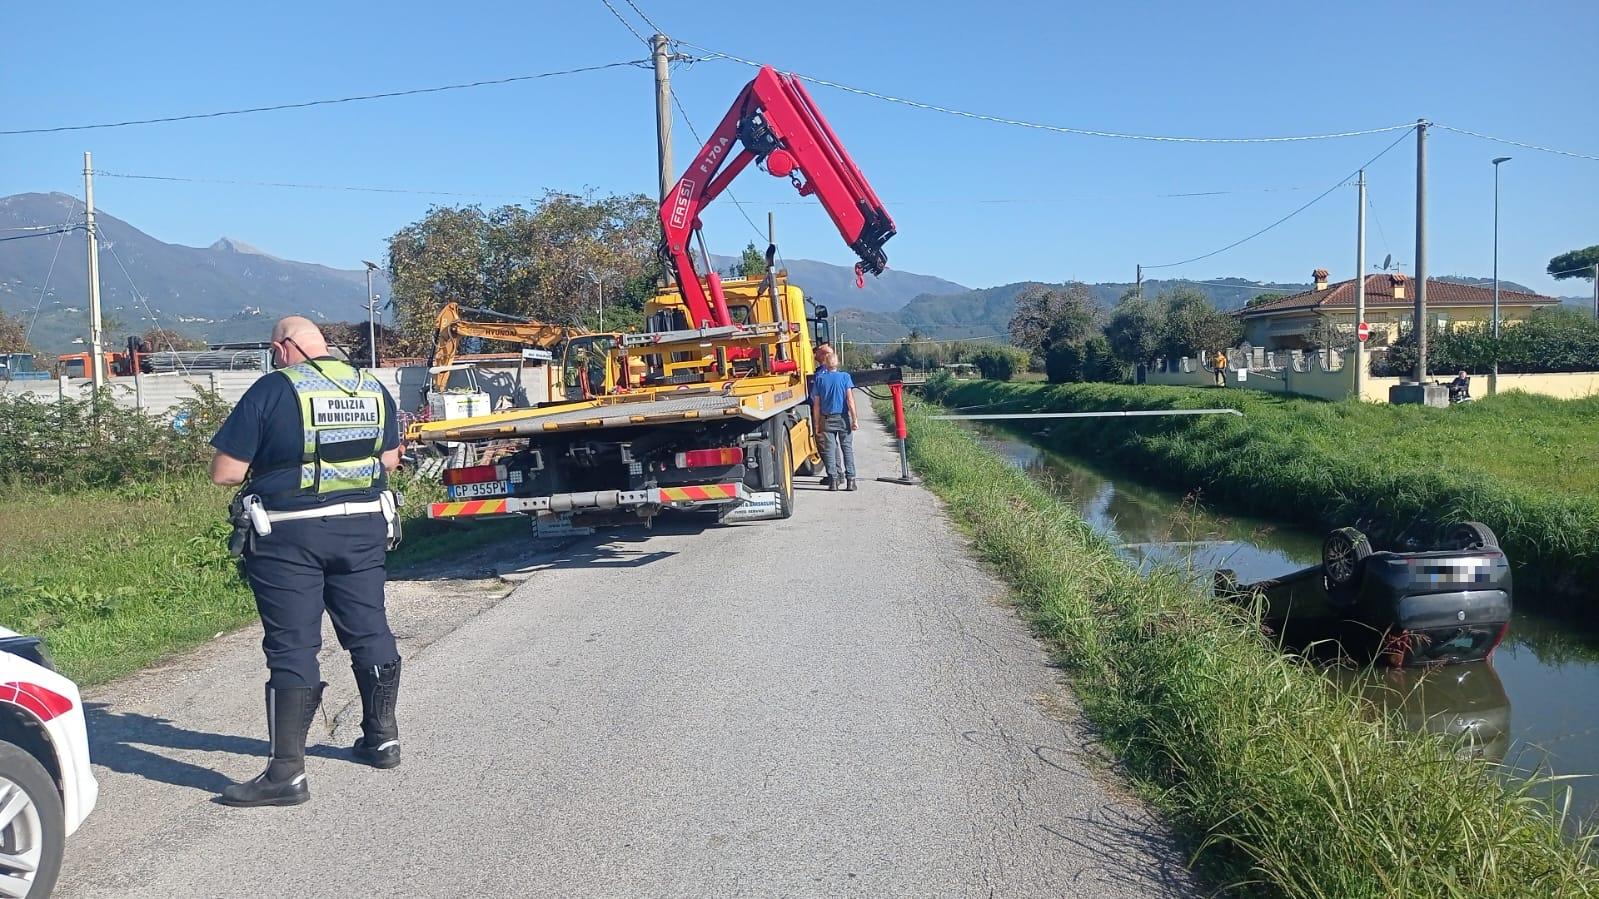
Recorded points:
(289,714)
(379,745)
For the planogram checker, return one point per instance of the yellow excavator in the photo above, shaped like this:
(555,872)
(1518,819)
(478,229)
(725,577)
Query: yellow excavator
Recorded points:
(452,326)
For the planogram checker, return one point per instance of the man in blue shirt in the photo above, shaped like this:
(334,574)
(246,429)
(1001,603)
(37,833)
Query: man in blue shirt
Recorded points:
(833,413)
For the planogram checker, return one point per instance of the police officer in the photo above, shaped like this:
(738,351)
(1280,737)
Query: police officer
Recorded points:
(312,444)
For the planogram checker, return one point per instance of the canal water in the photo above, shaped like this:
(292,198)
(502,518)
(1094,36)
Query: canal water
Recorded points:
(1535,705)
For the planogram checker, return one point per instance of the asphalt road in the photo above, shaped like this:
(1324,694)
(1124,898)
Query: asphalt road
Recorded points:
(840,704)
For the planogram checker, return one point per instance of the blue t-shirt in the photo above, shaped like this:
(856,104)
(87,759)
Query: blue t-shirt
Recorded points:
(832,388)
(265,429)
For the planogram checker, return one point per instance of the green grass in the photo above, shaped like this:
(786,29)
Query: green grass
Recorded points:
(1525,465)
(1283,785)
(117,578)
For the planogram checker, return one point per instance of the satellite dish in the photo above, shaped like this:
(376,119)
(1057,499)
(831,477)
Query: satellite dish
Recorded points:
(1387,261)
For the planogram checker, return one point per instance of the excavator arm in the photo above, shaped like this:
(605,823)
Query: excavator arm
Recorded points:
(451,327)
(773,123)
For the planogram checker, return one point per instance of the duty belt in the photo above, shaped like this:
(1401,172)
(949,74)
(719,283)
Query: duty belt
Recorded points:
(251,518)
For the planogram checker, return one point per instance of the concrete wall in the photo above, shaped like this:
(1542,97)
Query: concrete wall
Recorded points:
(1311,375)
(159,393)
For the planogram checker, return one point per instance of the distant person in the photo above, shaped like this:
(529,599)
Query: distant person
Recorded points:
(833,408)
(312,444)
(1460,387)
(1219,363)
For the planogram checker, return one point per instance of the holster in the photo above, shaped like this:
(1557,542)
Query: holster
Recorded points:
(242,537)
(391,516)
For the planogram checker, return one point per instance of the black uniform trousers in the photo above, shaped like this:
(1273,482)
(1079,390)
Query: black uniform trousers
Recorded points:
(310,564)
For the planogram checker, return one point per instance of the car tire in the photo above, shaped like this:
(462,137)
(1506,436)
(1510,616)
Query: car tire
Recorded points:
(1343,556)
(1471,535)
(40,821)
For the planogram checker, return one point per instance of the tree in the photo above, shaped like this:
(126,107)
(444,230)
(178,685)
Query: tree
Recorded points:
(1048,316)
(355,339)
(14,336)
(1263,298)
(1193,324)
(1575,264)
(1135,330)
(539,263)
(999,363)
(160,340)
(752,264)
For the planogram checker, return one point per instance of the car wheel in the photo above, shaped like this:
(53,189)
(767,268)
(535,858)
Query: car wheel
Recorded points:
(1343,555)
(32,829)
(1471,535)
(1224,583)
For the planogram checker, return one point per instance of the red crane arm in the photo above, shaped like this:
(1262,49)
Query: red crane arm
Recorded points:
(773,122)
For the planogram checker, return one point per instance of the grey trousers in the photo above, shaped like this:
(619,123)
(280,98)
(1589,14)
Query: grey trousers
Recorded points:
(838,448)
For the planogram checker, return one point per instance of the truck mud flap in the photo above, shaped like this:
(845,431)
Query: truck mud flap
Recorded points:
(759,507)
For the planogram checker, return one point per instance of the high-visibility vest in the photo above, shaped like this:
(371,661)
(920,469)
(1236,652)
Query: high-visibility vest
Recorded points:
(342,410)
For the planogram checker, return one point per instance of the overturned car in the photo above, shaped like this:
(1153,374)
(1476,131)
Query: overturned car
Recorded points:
(1445,604)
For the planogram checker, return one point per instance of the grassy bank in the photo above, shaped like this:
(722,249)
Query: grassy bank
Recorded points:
(116,578)
(1279,780)
(1522,464)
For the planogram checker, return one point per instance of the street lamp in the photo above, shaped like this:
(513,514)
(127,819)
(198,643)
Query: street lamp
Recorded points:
(371,312)
(1495,380)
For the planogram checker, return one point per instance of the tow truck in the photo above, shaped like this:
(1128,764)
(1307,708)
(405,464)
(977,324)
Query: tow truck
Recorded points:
(706,409)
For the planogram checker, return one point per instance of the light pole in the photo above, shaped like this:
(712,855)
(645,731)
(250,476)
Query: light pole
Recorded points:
(1493,381)
(371,312)
(599,287)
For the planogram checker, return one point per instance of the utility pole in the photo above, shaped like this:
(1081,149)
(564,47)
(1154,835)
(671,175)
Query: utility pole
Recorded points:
(1360,288)
(96,349)
(1596,289)
(1138,284)
(371,313)
(1420,323)
(661,53)
(1493,380)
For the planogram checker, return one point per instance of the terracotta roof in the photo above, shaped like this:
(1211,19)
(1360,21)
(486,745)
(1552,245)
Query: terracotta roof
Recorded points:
(1380,294)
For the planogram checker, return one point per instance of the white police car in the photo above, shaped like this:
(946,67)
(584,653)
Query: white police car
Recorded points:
(46,786)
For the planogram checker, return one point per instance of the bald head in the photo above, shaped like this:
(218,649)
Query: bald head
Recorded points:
(295,339)
(302,331)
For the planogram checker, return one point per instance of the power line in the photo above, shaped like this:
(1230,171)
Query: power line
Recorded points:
(154,321)
(50,272)
(309,103)
(997,201)
(36,234)
(381,190)
(1582,268)
(1515,143)
(1061,129)
(1318,198)
(647,20)
(625,23)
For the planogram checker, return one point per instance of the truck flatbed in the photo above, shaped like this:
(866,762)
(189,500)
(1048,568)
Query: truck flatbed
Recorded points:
(661,407)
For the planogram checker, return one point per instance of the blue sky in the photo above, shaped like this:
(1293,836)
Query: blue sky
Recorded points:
(975,202)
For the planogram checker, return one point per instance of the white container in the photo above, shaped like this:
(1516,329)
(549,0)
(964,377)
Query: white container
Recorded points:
(445,406)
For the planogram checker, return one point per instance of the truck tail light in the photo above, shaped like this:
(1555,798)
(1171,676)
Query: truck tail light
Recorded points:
(475,474)
(710,458)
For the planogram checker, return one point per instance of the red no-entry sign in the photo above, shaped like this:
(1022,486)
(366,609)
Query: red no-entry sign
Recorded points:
(1363,332)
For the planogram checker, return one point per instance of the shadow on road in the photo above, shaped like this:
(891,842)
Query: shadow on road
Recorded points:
(1114,832)
(130,743)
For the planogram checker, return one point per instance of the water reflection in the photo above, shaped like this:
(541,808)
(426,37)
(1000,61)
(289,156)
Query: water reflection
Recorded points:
(1547,671)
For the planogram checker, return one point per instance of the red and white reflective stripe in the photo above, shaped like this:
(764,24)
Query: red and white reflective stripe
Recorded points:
(44,704)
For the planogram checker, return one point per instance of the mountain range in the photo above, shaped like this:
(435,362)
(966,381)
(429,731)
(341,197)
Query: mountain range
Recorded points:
(232,291)
(224,292)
